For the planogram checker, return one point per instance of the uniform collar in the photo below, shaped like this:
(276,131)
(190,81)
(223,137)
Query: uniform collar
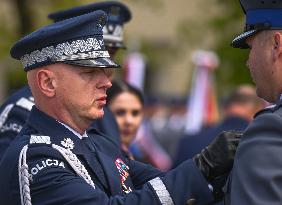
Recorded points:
(46,124)
(73,131)
(279,101)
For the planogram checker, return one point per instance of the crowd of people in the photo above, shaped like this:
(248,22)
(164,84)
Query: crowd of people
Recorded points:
(75,135)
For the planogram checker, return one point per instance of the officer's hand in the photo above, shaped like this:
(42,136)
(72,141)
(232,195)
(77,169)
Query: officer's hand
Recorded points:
(217,158)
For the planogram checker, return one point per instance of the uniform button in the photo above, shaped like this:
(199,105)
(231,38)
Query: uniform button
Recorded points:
(191,202)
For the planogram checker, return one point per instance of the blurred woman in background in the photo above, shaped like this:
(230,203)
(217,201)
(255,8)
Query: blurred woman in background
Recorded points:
(126,103)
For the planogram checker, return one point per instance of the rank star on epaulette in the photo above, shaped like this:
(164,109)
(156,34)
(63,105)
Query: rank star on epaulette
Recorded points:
(68,143)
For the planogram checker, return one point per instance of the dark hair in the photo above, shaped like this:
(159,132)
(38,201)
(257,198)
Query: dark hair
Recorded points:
(119,87)
(241,95)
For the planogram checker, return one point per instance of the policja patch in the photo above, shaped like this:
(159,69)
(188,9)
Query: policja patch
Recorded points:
(46,163)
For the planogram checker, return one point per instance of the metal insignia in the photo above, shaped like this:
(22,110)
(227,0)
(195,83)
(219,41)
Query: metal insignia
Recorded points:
(113,33)
(67,143)
(73,50)
(39,139)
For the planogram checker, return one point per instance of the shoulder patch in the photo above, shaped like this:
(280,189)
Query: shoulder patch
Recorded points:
(11,127)
(37,139)
(25,103)
(48,162)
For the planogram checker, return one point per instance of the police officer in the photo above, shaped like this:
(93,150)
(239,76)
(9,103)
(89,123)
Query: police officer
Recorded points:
(16,109)
(256,175)
(52,161)
(118,15)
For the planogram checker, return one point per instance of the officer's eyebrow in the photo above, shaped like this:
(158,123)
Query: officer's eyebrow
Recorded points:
(108,71)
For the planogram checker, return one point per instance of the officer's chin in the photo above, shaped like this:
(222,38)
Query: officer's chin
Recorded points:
(99,114)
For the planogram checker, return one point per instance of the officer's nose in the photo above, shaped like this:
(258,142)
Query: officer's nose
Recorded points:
(106,78)
(106,84)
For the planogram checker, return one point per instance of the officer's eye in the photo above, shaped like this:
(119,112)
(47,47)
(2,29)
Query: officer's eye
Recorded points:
(88,70)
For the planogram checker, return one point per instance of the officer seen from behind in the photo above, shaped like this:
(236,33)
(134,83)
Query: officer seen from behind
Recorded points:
(256,175)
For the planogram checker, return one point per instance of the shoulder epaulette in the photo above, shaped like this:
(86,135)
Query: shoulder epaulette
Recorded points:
(25,103)
(39,139)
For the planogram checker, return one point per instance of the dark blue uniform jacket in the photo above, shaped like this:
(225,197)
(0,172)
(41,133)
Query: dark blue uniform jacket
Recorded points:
(117,180)
(256,175)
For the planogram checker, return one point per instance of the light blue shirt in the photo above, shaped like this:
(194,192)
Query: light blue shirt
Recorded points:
(74,132)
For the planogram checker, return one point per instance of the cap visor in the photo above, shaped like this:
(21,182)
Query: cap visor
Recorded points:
(95,63)
(240,41)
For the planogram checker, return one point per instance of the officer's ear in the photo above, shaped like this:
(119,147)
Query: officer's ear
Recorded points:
(45,80)
(276,44)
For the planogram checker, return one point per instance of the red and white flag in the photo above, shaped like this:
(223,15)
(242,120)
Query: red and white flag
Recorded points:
(135,70)
(201,104)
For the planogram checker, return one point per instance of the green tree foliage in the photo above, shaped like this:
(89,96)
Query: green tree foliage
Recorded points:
(226,26)
(216,33)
